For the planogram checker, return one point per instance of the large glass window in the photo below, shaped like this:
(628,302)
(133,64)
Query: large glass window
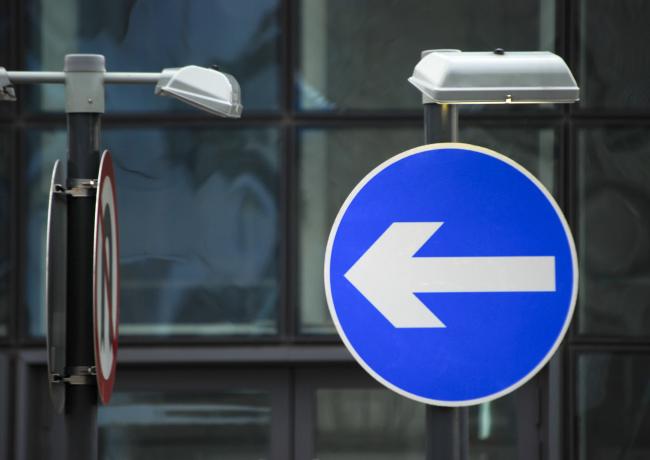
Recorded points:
(614,217)
(198,212)
(613,403)
(331,162)
(614,67)
(209,245)
(149,35)
(358,55)
(233,425)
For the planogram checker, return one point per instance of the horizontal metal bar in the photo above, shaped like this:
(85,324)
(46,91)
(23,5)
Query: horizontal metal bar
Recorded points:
(132,77)
(17,77)
(35,77)
(221,355)
(236,355)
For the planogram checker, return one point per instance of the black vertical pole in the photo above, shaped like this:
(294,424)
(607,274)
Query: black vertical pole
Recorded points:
(447,428)
(81,400)
(84,105)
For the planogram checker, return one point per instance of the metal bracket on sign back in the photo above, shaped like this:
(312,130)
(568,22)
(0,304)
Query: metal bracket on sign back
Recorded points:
(81,188)
(77,375)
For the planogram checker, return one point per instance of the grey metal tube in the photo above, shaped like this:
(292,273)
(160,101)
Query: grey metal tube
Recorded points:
(440,123)
(20,77)
(35,77)
(447,436)
(81,400)
(132,77)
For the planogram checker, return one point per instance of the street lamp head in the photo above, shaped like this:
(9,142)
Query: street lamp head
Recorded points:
(7,91)
(498,77)
(206,89)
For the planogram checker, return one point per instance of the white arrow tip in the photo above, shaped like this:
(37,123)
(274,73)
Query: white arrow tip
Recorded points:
(383,275)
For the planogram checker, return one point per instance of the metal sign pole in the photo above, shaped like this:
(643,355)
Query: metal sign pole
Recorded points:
(447,77)
(447,428)
(84,105)
(73,324)
(81,400)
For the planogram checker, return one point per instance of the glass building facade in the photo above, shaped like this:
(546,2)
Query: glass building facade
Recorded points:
(227,349)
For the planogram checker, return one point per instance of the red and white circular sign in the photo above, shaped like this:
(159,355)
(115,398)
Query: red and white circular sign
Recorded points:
(106,279)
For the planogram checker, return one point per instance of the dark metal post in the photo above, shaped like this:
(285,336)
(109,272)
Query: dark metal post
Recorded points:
(84,105)
(447,428)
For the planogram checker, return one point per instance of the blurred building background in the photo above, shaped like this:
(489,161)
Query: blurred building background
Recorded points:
(226,349)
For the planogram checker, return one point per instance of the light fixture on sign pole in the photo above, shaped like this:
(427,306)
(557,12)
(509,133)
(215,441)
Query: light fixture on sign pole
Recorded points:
(446,79)
(204,88)
(82,275)
(496,77)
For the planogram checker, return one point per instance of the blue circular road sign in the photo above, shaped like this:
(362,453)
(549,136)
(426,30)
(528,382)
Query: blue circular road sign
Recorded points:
(451,274)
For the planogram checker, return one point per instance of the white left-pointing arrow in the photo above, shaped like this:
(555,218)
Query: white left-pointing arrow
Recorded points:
(388,275)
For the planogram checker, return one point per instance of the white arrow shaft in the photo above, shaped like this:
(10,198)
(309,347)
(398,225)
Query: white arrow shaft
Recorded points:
(481,274)
(388,274)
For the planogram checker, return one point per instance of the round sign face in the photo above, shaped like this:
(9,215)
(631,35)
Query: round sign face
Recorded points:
(106,279)
(451,274)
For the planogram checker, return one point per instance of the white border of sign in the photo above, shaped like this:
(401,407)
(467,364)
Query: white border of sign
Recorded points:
(106,350)
(56,284)
(328,253)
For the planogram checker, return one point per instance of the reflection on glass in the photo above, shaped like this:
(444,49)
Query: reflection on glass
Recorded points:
(5,221)
(356,55)
(613,406)
(368,424)
(165,426)
(149,35)
(198,214)
(332,162)
(613,243)
(614,66)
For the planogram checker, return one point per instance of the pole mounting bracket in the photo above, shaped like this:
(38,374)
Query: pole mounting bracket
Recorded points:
(80,188)
(76,375)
